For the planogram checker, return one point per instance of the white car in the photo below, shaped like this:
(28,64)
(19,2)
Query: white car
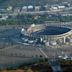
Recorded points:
(60,56)
(25,43)
(25,40)
(30,41)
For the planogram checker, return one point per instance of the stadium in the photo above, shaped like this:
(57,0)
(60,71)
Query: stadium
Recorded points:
(51,35)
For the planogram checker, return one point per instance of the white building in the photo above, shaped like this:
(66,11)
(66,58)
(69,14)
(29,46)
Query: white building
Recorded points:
(47,43)
(61,7)
(37,8)
(55,8)
(30,7)
(24,8)
(4,18)
(9,8)
(17,10)
(53,43)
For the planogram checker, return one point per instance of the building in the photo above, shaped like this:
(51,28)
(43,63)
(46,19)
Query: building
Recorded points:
(37,8)
(50,35)
(24,9)
(30,8)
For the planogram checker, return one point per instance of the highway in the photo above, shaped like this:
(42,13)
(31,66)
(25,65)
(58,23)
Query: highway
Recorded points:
(53,63)
(66,11)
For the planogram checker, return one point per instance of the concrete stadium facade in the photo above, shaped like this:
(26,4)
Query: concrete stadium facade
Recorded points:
(61,38)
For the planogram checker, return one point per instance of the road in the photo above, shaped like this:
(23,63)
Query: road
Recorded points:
(61,11)
(53,63)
